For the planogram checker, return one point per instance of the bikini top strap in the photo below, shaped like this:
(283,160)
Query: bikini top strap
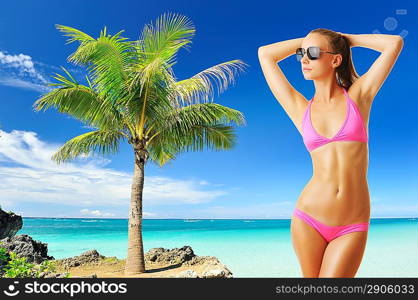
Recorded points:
(306,111)
(345,92)
(349,100)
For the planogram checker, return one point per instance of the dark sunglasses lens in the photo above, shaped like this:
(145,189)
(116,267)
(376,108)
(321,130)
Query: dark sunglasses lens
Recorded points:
(313,53)
(299,54)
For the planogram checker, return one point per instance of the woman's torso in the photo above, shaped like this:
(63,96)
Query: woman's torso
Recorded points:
(337,193)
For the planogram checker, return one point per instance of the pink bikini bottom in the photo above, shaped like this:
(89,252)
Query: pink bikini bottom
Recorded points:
(329,232)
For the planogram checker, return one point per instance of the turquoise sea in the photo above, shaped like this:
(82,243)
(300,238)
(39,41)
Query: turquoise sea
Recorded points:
(248,247)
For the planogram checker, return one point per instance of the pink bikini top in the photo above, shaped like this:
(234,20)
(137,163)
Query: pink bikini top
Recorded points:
(353,128)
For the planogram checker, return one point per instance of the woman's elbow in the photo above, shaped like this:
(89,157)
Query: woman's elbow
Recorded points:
(261,51)
(264,53)
(397,41)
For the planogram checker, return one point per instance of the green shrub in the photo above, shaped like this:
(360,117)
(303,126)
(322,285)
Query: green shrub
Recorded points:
(47,266)
(3,255)
(110,260)
(18,267)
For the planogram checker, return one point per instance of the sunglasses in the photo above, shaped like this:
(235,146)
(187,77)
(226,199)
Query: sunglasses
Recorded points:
(313,53)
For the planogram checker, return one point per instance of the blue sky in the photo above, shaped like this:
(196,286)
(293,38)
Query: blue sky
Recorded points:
(266,171)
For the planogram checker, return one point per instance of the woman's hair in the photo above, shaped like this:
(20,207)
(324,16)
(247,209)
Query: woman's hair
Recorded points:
(345,72)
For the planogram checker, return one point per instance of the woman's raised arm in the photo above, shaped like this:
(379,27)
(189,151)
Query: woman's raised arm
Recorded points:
(290,99)
(390,47)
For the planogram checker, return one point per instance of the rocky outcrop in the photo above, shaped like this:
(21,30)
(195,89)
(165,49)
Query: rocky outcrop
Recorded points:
(187,274)
(201,266)
(52,275)
(10,224)
(209,267)
(24,246)
(62,275)
(91,257)
(170,257)
(196,266)
(36,252)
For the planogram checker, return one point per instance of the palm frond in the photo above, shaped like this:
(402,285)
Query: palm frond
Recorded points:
(162,41)
(110,61)
(160,153)
(106,58)
(158,46)
(80,101)
(200,87)
(203,113)
(211,136)
(74,34)
(167,145)
(97,142)
(192,128)
(87,44)
(157,99)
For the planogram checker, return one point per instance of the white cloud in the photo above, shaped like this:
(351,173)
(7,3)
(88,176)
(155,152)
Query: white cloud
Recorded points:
(95,213)
(22,63)
(394,209)
(71,70)
(21,71)
(273,210)
(28,175)
(148,214)
(19,83)
(18,70)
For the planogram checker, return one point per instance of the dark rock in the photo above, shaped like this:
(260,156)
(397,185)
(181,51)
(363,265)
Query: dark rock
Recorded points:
(88,257)
(167,256)
(52,275)
(24,246)
(186,274)
(94,275)
(10,224)
(211,267)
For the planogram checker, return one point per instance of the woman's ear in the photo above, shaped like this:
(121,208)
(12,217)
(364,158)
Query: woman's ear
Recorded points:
(337,60)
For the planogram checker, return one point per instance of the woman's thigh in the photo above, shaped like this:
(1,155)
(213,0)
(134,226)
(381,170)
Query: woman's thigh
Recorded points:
(343,255)
(309,246)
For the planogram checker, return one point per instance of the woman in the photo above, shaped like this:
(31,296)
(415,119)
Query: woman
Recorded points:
(330,222)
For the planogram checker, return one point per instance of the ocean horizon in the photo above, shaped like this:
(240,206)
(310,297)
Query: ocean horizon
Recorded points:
(395,217)
(248,247)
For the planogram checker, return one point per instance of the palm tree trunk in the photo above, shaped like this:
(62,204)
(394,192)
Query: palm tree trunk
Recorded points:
(135,263)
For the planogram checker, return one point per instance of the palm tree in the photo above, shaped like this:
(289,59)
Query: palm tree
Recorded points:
(133,95)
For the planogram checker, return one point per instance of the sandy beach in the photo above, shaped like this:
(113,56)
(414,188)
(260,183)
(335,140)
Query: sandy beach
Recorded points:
(114,268)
